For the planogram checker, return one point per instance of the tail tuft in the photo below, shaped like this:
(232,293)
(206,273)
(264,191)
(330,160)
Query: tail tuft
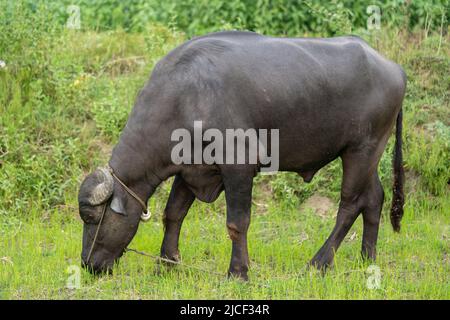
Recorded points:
(398,198)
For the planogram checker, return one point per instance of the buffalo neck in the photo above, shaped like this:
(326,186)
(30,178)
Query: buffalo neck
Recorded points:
(133,165)
(141,157)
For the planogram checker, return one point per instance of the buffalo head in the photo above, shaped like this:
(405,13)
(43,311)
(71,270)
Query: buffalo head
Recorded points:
(100,195)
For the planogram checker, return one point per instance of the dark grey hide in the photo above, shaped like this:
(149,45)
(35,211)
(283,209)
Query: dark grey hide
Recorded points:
(329,98)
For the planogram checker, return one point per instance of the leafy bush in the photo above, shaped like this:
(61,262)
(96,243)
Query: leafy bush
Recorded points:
(281,17)
(63,96)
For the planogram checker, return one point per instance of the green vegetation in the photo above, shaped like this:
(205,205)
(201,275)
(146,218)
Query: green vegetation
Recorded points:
(289,17)
(65,96)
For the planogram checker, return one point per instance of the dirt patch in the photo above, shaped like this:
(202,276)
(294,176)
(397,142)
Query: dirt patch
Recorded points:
(412,181)
(322,206)
(261,198)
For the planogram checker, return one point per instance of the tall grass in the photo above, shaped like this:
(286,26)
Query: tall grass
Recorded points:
(64,96)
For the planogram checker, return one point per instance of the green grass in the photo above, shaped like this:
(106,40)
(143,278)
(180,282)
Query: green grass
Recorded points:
(64,97)
(414,264)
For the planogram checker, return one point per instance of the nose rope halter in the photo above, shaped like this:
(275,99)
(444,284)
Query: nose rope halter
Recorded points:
(144,216)
(145,212)
(96,233)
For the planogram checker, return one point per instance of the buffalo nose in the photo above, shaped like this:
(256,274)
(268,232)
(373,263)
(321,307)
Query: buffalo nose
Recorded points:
(96,269)
(87,266)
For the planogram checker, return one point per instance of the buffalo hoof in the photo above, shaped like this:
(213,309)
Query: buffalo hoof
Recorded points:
(368,256)
(165,264)
(238,275)
(170,259)
(320,265)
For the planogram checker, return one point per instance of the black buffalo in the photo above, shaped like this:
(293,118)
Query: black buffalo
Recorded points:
(329,98)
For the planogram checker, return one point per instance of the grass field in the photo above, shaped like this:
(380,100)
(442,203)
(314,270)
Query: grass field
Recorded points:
(64,97)
(413,264)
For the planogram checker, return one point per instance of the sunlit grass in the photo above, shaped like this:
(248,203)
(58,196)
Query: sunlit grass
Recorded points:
(413,264)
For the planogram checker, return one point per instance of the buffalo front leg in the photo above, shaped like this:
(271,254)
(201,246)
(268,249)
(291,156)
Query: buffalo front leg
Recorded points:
(178,204)
(238,194)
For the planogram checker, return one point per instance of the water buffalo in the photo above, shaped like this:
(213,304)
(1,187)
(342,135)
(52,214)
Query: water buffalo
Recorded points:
(328,98)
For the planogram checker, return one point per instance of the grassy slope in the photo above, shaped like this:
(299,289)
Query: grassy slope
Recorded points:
(58,127)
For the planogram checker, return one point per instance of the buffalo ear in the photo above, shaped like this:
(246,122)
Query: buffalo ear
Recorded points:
(118,206)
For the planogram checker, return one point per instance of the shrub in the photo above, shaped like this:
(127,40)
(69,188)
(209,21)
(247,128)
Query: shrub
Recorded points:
(281,17)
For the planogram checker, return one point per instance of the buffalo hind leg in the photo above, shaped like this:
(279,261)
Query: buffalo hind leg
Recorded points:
(178,204)
(358,168)
(238,194)
(374,197)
